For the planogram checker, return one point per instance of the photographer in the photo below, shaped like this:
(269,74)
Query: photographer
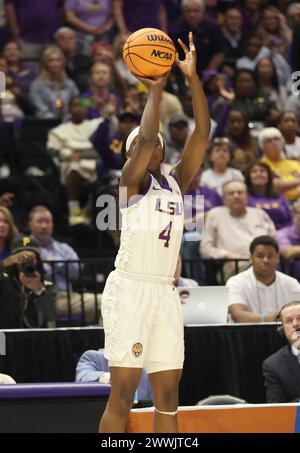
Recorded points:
(24,299)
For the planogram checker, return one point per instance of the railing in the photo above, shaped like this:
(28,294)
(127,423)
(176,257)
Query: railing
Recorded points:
(89,276)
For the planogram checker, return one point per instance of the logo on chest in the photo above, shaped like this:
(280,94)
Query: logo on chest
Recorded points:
(169,207)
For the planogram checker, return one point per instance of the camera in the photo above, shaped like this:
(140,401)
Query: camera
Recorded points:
(28,269)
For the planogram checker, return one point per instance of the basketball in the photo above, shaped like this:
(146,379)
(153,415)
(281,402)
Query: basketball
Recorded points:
(149,52)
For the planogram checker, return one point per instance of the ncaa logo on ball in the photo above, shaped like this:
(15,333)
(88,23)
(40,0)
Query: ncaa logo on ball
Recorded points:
(137,350)
(160,54)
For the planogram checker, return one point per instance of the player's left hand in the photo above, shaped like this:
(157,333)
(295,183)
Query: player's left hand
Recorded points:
(188,66)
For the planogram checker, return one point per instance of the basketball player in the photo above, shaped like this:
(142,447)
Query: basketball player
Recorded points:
(140,306)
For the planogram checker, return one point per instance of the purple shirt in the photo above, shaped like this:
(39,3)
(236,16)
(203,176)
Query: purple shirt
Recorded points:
(37,19)
(93,12)
(23,77)
(287,237)
(278,209)
(141,13)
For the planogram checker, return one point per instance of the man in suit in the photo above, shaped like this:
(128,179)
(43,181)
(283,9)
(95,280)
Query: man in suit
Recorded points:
(282,369)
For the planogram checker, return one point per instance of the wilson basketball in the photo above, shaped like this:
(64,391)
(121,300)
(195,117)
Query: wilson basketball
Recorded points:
(149,52)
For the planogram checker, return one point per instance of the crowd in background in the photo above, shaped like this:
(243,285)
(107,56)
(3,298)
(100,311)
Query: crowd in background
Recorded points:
(63,64)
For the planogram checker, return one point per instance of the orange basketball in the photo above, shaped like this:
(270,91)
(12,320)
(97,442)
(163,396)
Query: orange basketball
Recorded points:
(149,52)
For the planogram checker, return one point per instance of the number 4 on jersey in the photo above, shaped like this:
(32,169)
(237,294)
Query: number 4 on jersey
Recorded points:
(165,235)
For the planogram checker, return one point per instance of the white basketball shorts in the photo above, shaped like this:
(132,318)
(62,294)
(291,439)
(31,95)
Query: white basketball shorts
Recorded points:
(143,324)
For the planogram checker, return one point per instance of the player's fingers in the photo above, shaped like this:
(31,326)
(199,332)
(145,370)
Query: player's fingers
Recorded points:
(191,42)
(185,49)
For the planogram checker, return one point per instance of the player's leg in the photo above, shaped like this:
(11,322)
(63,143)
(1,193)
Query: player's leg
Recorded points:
(124,382)
(165,386)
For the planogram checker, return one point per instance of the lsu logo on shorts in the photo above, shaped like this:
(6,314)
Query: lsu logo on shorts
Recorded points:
(137,350)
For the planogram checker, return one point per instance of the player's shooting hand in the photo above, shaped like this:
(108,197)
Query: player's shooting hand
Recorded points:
(154,84)
(188,65)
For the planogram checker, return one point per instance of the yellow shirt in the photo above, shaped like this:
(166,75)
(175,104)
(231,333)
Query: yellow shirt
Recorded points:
(287,170)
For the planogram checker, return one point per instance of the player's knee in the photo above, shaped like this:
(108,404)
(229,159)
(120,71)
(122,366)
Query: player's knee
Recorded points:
(167,400)
(123,398)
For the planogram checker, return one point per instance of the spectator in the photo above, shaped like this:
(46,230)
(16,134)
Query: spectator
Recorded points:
(108,139)
(92,366)
(207,35)
(8,232)
(178,134)
(262,195)
(25,300)
(120,64)
(41,227)
(245,148)
(255,51)
(293,15)
(9,105)
(251,12)
(103,52)
(77,156)
(52,90)
(100,89)
(243,223)
(295,48)
(131,15)
(274,29)
(220,155)
(21,74)
(293,102)
(289,243)
(257,294)
(286,171)
(33,24)
(289,127)
(93,21)
(255,104)
(267,81)
(77,64)
(282,369)
(232,31)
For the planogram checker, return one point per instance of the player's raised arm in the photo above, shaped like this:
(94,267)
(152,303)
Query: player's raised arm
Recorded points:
(139,152)
(193,152)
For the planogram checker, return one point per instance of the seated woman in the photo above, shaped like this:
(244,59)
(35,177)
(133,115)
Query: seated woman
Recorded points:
(8,232)
(52,90)
(220,155)
(100,91)
(263,195)
(267,81)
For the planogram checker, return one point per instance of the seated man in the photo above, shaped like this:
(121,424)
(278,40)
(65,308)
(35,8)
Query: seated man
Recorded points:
(257,294)
(77,156)
(230,229)
(41,227)
(282,369)
(93,367)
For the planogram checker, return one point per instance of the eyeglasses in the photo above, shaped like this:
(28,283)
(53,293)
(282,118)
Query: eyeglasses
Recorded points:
(221,141)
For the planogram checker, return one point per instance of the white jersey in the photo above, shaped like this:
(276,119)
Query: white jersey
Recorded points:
(152,230)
